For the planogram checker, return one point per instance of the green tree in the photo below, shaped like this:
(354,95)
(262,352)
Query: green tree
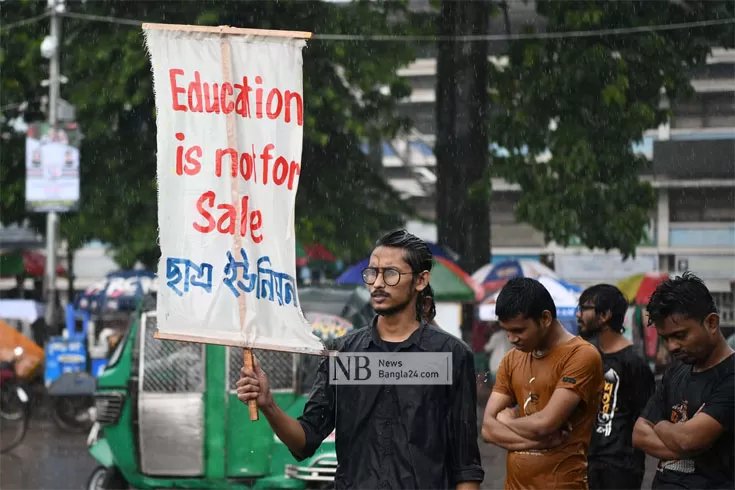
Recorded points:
(601,93)
(343,201)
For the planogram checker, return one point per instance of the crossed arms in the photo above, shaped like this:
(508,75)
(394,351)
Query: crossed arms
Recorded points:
(667,441)
(580,378)
(542,430)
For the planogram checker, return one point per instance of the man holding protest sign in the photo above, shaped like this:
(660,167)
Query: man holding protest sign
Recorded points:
(400,393)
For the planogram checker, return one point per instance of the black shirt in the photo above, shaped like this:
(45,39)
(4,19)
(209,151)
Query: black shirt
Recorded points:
(678,397)
(398,436)
(629,383)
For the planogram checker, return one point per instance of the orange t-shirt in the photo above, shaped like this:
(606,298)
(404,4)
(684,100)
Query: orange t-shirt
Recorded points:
(530,381)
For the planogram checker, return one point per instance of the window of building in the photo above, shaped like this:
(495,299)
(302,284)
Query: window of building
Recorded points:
(725,303)
(698,205)
(705,110)
(502,208)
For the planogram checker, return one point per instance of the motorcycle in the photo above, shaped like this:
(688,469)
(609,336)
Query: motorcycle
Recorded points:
(14,404)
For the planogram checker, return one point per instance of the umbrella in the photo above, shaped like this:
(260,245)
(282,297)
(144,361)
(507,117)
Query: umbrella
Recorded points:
(25,263)
(575,288)
(328,327)
(301,258)
(319,252)
(561,292)
(119,291)
(315,255)
(449,282)
(509,269)
(638,288)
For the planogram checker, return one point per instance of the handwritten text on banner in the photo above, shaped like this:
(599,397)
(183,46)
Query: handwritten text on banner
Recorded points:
(226,199)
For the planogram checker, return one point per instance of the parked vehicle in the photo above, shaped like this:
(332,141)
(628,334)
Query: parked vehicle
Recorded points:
(14,404)
(167,414)
(73,362)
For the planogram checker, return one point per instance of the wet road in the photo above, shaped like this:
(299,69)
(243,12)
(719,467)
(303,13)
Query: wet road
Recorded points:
(50,459)
(47,459)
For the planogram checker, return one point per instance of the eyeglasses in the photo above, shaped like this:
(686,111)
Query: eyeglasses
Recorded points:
(391,276)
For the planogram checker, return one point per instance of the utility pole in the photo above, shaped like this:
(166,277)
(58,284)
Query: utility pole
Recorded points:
(52,217)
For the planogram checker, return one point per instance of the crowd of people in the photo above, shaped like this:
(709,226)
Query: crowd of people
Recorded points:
(572,411)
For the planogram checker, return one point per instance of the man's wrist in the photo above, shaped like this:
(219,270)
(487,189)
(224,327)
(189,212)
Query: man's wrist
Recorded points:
(269,407)
(663,431)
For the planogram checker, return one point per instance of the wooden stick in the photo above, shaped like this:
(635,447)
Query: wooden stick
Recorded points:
(247,355)
(237,240)
(177,337)
(228,30)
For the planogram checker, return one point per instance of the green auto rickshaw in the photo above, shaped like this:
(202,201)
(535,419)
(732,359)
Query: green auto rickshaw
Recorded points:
(167,414)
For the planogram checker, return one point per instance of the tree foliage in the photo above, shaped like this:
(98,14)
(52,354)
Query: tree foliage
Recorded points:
(342,202)
(601,93)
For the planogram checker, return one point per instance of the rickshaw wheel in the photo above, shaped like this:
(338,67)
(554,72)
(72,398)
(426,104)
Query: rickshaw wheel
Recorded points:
(65,412)
(97,478)
(103,478)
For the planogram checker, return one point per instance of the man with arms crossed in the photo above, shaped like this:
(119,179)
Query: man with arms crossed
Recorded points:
(414,436)
(613,461)
(688,422)
(555,379)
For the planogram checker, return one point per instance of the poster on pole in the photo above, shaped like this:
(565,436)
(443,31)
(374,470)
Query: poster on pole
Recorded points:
(230,120)
(52,167)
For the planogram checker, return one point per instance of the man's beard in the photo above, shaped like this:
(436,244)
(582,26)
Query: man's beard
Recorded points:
(591,335)
(393,310)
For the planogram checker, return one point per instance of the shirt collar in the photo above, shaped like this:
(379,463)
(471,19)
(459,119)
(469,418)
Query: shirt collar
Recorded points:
(373,337)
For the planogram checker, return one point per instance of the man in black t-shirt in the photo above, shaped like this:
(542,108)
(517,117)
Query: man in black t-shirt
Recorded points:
(613,462)
(688,423)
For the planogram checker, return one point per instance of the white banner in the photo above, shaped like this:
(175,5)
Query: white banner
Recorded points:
(52,167)
(230,131)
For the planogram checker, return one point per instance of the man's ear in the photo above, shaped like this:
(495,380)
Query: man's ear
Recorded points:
(546,319)
(422,280)
(605,317)
(712,322)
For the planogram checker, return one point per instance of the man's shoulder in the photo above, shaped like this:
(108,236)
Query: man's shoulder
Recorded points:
(580,349)
(437,339)
(675,371)
(349,341)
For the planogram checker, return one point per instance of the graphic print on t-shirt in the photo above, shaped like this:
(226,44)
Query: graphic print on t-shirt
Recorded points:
(609,403)
(530,405)
(678,416)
